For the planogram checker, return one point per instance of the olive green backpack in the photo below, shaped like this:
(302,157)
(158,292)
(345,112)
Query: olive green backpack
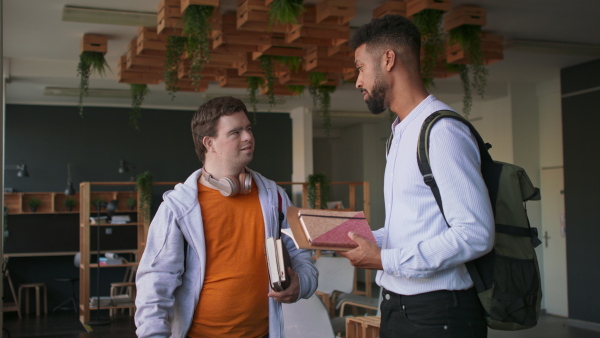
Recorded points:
(507,279)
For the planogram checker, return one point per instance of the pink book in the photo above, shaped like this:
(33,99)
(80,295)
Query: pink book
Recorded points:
(329,228)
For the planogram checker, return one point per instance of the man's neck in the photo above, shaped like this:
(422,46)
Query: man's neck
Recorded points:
(406,94)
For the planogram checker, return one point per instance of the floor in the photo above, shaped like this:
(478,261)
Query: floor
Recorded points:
(66,325)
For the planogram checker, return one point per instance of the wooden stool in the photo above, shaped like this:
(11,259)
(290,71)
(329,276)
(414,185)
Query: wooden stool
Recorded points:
(37,287)
(363,327)
(117,289)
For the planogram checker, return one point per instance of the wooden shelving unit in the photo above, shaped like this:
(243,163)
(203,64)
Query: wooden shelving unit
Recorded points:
(87,196)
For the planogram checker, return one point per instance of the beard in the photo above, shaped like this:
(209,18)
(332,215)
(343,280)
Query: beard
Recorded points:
(376,100)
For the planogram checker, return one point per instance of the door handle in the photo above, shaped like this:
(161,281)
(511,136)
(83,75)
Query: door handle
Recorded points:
(546,238)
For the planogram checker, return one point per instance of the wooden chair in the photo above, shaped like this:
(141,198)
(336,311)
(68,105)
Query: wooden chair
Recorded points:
(14,306)
(38,287)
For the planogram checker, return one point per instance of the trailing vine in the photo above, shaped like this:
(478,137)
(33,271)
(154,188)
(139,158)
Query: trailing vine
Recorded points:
(196,25)
(429,22)
(175,49)
(294,63)
(254,83)
(318,197)
(285,12)
(266,65)
(469,39)
(321,95)
(296,89)
(138,92)
(89,62)
(144,185)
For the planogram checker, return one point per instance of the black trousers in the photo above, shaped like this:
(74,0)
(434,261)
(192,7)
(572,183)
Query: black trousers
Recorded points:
(433,314)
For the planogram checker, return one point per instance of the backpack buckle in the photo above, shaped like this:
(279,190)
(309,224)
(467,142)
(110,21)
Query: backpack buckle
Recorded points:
(428,178)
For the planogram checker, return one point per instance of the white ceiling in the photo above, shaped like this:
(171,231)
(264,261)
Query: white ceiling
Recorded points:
(40,50)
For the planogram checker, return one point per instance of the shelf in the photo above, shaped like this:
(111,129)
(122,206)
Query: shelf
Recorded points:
(95,265)
(53,202)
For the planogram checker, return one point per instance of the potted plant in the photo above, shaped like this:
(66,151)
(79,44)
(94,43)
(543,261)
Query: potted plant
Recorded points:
(131,202)
(97,203)
(34,203)
(321,97)
(285,11)
(69,203)
(318,191)
(138,92)
(197,27)
(429,22)
(175,48)
(89,62)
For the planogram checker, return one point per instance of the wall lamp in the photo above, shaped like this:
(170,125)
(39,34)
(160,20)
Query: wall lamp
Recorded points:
(22,169)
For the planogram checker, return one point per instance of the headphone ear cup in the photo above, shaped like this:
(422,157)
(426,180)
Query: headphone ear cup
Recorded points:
(246,183)
(232,183)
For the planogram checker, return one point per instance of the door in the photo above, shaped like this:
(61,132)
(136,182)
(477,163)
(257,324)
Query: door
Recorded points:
(553,238)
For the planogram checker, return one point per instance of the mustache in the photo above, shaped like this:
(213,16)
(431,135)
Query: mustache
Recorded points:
(362,90)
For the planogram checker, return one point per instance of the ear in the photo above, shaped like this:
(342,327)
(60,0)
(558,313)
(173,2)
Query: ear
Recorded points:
(389,59)
(207,142)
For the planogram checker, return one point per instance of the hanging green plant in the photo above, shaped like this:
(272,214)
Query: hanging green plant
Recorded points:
(175,49)
(318,191)
(293,63)
(144,185)
(296,89)
(266,65)
(138,92)
(429,23)
(197,27)
(254,83)
(89,62)
(469,39)
(321,95)
(285,12)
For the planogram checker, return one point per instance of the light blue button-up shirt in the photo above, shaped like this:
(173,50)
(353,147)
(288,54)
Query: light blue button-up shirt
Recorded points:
(420,253)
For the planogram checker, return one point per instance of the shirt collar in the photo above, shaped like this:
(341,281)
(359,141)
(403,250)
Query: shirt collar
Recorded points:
(418,110)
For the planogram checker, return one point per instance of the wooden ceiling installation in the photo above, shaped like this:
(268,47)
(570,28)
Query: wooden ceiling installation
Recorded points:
(320,37)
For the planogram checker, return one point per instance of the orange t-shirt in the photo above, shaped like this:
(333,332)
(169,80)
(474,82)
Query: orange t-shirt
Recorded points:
(233,300)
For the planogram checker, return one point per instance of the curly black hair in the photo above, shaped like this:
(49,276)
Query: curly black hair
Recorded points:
(391,32)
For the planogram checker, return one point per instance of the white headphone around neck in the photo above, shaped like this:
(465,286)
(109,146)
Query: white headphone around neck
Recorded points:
(230,186)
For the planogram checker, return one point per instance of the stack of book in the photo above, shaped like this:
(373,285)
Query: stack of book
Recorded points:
(99,220)
(111,259)
(120,219)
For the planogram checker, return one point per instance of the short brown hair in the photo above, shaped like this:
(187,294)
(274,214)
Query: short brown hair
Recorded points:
(205,119)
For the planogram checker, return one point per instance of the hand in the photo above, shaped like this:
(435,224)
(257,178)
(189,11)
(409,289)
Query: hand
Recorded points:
(366,256)
(289,295)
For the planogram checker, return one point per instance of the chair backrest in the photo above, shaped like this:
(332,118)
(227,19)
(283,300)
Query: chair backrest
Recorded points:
(335,274)
(307,318)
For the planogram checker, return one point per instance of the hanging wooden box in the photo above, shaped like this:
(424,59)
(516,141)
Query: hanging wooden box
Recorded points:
(318,36)
(94,43)
(253,15)
(208,73)
(228,34)
(393,7)
(491,45)
(134,76)
(188,86)
(231,80)
(441,71)
(149,43)
(342,10)
(185,3)
(415,6)
(342,50)
(291,78)
(350,74)
(464,15)
(281,51)
(316,60)
(250,68)
(168,18)
(142,62)
(280,90)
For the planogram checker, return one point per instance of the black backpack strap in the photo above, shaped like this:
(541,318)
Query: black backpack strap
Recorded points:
(423,150)
(281,215)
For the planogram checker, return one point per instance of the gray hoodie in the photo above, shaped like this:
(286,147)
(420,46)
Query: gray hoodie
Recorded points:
(169,281)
